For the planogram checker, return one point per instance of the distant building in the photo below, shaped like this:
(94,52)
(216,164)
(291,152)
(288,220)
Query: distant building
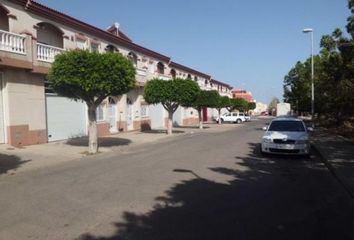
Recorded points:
(240,93)
(260,107)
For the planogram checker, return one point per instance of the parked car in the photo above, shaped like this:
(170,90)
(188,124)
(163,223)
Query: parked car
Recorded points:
(286,136)
(265,113)
(234,117)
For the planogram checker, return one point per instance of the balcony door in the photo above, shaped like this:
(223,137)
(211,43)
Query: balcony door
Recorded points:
(49,34)
(4,19)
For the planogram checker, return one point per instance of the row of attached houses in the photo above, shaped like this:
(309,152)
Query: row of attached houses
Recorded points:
(31,35)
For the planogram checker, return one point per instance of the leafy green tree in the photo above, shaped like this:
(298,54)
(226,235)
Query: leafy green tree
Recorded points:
(232,105)
(251,106)
(91,77)
(171,94)
(297,87)
(350,19)
(239,104)
(334,77)
(204,99)
(223,102)
(337,75)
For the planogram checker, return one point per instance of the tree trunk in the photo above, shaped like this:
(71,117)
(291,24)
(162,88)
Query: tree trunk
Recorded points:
(200,118)
(169,123)
(93,139)
(219,117)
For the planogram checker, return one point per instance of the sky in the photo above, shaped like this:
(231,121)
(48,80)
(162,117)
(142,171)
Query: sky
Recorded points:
(248,44)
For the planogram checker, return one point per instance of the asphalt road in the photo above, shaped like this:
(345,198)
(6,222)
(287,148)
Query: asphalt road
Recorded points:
(197,186)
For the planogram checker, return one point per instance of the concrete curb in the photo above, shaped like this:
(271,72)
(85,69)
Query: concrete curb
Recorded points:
(332,169)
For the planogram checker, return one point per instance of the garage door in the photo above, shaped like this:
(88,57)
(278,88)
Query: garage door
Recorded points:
(2,128)
(65,118)
(156,113)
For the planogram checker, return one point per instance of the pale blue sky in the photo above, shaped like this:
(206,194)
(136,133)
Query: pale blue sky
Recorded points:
(247,44)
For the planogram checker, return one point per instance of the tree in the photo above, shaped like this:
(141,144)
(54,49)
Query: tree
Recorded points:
(251,106)
(350,19)
(223,102)
(334,77)
(91,77)
(204,99)
(297,87)
(239,104)
(171,94)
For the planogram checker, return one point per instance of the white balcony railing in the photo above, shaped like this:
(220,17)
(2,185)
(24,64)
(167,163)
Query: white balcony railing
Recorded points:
(12,42)
(163,76)
(141,72)
(47,53)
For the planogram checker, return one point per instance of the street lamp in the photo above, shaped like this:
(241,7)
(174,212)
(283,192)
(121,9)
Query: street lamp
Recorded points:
(310,30)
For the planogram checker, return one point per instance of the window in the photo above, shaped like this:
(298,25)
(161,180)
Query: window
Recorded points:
(94,47)
(100,113)
(287,126)
(133,58)
(144,110)
(173,73)
(47,88)
(111,48)
(81,44)
(160,68)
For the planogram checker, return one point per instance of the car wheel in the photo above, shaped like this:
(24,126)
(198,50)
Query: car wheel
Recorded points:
(264,154)
(307,156)
(238,121)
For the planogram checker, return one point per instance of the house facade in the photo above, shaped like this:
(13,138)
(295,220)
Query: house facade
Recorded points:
(31,35)
(240,93)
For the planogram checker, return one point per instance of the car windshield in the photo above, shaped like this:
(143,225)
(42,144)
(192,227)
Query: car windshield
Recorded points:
(287,126)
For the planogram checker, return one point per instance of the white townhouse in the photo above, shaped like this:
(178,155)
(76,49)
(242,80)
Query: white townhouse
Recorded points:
(31,35)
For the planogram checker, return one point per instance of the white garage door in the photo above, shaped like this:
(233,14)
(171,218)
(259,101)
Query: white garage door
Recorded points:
(65,118)
(156,113)
(2,128)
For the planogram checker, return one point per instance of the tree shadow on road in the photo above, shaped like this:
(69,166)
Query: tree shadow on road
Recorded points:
(266,198)
(190,127)
(162,131)
(102,141)
(10,162)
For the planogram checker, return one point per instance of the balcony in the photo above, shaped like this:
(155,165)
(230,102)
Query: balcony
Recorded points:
(46,53)
(11,42)
(163,76)
(141,72)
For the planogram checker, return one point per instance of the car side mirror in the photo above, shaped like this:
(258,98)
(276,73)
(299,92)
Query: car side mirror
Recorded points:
(265,128)
(310,129)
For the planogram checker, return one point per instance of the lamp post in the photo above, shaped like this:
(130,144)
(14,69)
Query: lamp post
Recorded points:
(310,30)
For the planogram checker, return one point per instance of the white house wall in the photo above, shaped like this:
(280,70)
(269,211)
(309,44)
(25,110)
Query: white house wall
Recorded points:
(2,112)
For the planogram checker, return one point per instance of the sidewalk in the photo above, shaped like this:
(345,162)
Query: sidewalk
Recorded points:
(338,154)
(14,160)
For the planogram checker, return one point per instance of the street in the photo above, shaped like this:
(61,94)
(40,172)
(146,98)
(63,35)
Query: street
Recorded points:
(210,185)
